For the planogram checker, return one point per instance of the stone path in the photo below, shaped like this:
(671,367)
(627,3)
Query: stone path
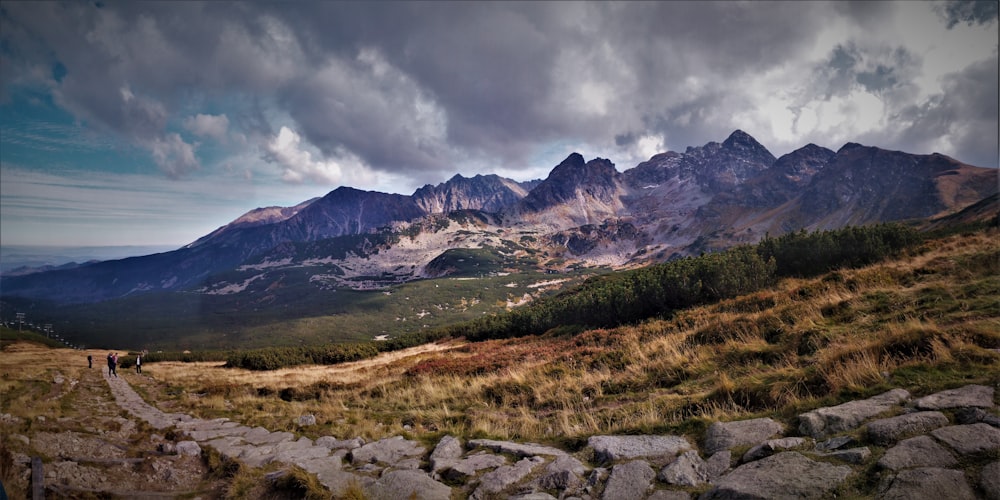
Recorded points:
(944,445)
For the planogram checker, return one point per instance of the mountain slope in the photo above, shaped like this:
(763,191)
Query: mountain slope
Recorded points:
(584,214)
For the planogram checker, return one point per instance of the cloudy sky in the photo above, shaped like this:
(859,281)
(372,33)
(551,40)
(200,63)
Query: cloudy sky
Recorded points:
(139,123)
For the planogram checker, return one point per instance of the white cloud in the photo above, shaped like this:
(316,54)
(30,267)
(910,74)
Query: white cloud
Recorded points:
(297,164)
(174,156)
(213,126)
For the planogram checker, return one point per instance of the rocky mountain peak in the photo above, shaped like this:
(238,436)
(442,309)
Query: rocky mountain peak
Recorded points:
(742,143)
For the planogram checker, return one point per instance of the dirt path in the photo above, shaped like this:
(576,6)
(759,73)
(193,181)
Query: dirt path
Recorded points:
(71,416)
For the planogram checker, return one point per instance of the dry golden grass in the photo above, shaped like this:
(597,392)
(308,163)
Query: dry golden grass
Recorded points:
(922,322)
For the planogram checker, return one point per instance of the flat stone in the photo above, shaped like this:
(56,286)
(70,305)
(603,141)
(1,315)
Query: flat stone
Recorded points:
(889,430)
(669,495)
(388,451)
(628,480)
(726,435)
(830,420)
(785,475)
(920,451)
(687,470)
(611,448)
(447,453)
(410,484)
(969,439)
(255,436)
(976,396)
(517,449)
(189,448)
(539,495)
(769,447)
(989,480)
(501,478)
(339,444)
(467,468)
(927,483)
(834,443)
(855,456)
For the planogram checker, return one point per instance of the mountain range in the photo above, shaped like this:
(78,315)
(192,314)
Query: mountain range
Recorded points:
(584,214)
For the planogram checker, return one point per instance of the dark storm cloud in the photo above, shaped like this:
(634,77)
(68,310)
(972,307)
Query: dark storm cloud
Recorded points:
(965,114)
(422,89)
(969,12)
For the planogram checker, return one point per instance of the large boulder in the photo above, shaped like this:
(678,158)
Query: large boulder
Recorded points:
(927,483)
(969,439)
(688,470)
(920,451)
(447,453)
(410,484)
(494,482)
(989,480)
(823,422)
(970,396)
(389,451)
(726,435)
(785,475)
(611,448)
(629,480)
(888,430)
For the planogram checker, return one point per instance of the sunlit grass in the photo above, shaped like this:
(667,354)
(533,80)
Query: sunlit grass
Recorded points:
(921,322)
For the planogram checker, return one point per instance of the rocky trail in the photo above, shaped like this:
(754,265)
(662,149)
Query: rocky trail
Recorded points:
(893,445)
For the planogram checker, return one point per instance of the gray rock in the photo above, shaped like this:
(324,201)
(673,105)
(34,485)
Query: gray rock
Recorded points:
(978,396)
(189,448)
(888,430)
(834,443)
(688,470)
(333,443)
(920,451)
(611,448)
(970,415)
(495,481)
(855,456)
(518,449)
(629,480)
(823,422)
(786,475)
(725,435)
(413,484)
(307,420)
(928,483)
(969,439)
(718,464)
(564,473)
(533,496)
(596,476)
(447,453)
(769,447)
(388,451)
(467,468)
(669,495)
(989,480)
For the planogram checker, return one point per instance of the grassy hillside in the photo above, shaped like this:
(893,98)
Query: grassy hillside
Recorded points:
(923,321)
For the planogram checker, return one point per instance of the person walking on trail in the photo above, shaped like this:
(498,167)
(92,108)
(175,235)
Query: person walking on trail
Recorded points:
(114,364)
(138,363)
(111,365)
(90,361)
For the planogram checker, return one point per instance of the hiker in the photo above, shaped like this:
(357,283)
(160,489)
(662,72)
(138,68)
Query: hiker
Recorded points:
(111,365)
(90,361)
(138,363)
(114,364)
